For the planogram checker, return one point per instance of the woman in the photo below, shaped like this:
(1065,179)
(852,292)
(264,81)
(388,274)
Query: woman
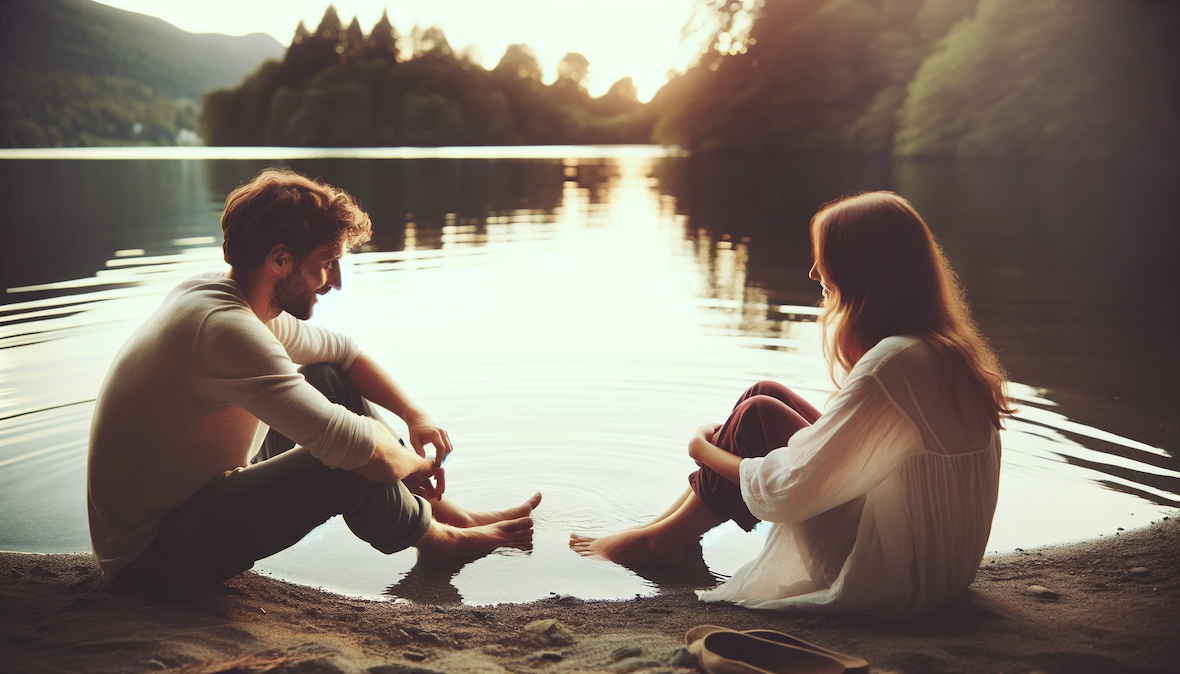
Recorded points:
(884,503)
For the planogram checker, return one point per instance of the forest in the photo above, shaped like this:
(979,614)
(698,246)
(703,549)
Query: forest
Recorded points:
(1051,79)
(337,86)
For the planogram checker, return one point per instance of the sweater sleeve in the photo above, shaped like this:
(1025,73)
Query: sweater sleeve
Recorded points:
(307,344)
(237,360)
(852,448)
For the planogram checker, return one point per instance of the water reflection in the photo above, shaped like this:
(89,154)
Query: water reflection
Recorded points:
(570,321)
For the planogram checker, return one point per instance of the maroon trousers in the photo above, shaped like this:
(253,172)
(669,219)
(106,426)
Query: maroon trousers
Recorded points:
(764,418)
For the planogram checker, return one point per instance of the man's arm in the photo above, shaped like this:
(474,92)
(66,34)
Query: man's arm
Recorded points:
(376,385)
(392,462)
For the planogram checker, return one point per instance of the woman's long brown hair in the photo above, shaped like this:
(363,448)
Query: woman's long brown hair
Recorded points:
(887,276)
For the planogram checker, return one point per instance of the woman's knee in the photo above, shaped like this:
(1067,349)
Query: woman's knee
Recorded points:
(761,403)
(768,418)
(770,388)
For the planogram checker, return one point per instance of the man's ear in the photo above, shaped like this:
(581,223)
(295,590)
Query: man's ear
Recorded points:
(279,259)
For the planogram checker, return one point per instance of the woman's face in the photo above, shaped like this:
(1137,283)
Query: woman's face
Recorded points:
(816,276)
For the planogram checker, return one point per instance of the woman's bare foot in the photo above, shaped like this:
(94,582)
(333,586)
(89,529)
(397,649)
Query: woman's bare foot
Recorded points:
(449,512)
(634,546)
(443,542)
(663,542)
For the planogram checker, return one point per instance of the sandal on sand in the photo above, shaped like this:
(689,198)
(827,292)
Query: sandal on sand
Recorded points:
(724,651)
(852,664)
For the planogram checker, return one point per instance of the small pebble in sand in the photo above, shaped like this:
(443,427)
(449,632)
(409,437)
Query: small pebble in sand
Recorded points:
(549,632)
(430,638)
(545,656)
(682,657)
(625,652)
(1042,592)
(414,656)
(1140,571)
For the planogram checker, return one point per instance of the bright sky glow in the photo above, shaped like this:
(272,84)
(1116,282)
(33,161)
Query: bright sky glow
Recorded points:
(621,38)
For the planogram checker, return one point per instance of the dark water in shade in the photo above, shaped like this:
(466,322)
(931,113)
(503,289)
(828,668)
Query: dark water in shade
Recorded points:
(572,318)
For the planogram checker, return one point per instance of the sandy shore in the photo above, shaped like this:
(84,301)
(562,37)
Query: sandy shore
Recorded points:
(56,615)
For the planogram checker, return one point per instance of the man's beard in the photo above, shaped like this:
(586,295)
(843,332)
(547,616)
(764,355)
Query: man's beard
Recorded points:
(292,295)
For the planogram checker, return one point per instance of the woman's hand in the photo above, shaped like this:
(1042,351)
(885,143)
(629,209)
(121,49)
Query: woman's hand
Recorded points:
(702,440)
(702,450)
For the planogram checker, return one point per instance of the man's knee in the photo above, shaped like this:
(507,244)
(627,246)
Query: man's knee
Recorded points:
(334,383)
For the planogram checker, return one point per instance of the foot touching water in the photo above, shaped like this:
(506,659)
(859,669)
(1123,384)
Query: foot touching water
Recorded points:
(444,542)
(634,546)
(450,512)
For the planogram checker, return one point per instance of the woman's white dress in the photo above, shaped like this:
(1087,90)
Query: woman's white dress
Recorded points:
(884,506)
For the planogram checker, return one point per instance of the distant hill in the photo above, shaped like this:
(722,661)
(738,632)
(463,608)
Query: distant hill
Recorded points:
(76,72)
(87,37)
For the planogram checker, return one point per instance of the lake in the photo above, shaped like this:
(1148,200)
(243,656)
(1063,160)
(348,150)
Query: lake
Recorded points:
(572,315)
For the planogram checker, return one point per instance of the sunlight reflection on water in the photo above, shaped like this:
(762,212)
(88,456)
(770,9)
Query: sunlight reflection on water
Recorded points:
(571,352)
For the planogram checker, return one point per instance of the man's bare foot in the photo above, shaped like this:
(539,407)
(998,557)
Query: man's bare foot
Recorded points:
(443,542)
(491,517)
(450,512)
(634,546)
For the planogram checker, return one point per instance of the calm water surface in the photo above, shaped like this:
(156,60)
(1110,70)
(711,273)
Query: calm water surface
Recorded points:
(572,316)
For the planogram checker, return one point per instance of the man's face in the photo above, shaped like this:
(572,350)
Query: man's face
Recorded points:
(297,292)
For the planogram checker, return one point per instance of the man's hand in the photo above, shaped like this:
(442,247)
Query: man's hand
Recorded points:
(423,432)
(431,491)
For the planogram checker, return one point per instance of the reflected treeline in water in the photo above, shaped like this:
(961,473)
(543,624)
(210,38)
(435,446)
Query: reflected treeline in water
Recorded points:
(64,219)
(1070,269)
(427,195)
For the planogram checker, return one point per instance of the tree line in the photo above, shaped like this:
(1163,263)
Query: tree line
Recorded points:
(337,86)
(1051,79)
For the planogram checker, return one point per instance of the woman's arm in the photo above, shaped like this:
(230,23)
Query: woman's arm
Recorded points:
(704,452)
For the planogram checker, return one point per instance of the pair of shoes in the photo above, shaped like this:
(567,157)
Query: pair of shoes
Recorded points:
(724,651)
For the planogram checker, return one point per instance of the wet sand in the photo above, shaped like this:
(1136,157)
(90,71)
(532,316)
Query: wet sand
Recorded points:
(56,615)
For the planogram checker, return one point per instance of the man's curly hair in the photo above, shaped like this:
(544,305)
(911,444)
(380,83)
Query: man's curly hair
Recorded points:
(280,206)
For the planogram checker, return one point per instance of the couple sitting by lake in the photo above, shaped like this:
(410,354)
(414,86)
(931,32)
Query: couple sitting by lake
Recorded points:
(209,450)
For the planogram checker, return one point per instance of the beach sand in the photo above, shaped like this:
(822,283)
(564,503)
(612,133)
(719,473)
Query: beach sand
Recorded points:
(57,615)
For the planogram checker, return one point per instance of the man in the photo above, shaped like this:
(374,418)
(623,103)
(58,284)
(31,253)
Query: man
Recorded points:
(186,487)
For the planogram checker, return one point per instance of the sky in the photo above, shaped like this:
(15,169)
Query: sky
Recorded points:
(621,38)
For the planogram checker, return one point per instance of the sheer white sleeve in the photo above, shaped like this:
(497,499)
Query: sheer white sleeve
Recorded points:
(852,448)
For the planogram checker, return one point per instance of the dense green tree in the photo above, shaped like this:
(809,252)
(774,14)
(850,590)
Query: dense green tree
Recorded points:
(809,77)
(574,69)
(328,92)
(519,63)
(382,42)
(1087,79)
(1060,79)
